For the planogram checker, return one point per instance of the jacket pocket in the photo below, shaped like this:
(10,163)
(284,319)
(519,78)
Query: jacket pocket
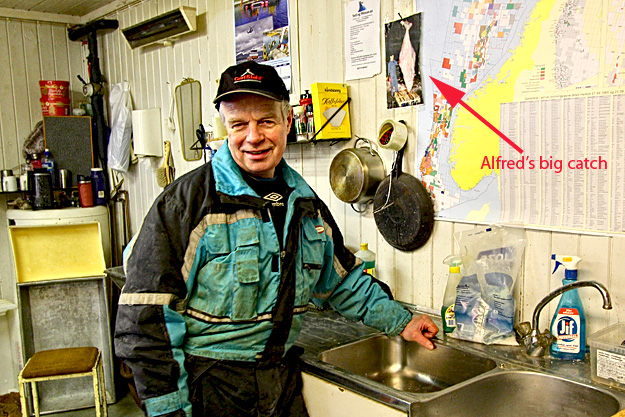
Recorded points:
(214,287)
(245,290)
(227,285)
(312,245)
(312,248)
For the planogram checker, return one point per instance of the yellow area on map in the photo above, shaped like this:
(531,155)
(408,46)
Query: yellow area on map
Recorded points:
(479,215)
(471,139)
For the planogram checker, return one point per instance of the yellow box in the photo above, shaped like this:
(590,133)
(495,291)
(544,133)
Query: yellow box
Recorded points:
(57,252)
(327,99)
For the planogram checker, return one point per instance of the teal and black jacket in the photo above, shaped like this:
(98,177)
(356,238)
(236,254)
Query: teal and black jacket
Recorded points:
(202,278)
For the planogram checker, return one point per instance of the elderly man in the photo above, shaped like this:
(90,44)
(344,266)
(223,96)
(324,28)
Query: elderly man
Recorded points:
(224,266)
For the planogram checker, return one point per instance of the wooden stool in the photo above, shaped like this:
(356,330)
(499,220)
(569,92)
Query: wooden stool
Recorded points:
(48,365)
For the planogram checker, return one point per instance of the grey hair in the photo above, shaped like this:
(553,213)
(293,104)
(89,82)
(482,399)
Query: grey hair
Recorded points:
(286,108)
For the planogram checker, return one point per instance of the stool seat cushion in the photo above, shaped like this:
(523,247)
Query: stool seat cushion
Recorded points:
(63,361)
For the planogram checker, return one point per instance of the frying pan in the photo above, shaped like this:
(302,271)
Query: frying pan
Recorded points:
(403,209)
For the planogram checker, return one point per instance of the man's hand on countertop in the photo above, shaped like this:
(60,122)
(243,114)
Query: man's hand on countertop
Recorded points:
(420,329)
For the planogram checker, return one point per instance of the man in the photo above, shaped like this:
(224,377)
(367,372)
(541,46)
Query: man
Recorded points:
(225,263)
(391,69)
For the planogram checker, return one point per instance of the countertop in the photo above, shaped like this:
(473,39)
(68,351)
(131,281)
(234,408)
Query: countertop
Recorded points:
(323,330)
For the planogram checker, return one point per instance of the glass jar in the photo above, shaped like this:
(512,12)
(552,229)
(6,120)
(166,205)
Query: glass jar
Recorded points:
(42,191)
(85,191)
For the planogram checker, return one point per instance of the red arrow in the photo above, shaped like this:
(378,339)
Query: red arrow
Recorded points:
(454,96)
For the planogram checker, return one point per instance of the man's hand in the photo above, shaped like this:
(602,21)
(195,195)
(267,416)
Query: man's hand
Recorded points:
(420,329)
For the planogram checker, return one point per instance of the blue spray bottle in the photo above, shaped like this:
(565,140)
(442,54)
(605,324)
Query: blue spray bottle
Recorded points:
(569,322)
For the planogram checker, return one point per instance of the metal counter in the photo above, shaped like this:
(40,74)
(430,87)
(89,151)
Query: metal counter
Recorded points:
(324,330)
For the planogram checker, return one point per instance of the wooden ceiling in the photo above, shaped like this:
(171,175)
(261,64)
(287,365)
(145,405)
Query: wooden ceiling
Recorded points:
(61,11)
(63,7)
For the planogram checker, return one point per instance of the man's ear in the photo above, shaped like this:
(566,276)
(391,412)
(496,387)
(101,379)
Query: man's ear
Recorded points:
(290,119)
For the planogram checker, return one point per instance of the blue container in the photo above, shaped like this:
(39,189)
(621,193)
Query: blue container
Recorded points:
(98,182)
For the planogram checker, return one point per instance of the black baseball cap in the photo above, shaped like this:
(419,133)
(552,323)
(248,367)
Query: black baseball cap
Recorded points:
(251,77)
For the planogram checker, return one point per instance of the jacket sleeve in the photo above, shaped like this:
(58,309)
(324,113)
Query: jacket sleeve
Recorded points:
(351,292)
(149,331)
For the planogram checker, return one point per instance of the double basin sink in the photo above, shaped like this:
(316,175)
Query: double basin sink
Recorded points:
(449,381)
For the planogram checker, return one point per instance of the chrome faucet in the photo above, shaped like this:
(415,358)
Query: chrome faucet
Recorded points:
(535,342)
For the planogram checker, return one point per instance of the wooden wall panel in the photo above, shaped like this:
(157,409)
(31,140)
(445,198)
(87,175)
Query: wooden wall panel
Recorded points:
(7,107)
(20,93)
(31,51)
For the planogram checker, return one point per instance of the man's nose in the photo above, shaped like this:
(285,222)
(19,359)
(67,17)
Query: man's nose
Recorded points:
(254,133)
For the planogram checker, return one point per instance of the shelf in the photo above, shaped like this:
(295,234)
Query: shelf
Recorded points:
(6,306)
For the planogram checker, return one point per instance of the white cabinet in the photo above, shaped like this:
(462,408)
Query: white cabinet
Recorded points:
(11,348)
(324,399)
(69,215)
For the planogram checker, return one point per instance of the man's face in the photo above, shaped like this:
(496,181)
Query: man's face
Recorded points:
(257,132)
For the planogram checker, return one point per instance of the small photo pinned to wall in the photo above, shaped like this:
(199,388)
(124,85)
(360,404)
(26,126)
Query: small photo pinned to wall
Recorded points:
(403,70)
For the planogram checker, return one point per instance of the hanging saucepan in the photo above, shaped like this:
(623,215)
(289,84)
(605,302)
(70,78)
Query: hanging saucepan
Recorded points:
(355,173)
(403,209)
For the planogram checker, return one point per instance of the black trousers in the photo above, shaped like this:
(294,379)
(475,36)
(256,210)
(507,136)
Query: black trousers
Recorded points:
(236,389)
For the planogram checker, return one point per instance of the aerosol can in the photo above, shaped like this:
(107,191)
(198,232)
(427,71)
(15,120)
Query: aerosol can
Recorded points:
(569,322)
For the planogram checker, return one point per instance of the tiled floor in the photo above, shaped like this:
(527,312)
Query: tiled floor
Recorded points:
(125,407)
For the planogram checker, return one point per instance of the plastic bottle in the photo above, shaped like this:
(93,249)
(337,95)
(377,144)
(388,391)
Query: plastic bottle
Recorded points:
(48,163)
(569,322)
(449,299)
(299,118)
(368,257)
(305,100)
(98,182)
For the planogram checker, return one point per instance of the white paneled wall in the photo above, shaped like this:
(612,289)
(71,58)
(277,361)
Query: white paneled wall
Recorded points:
(317,34)
(31,51)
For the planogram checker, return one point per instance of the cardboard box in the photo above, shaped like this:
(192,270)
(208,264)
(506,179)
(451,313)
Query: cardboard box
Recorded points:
(327,100)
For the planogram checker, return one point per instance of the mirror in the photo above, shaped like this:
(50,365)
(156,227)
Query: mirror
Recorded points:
(189,107)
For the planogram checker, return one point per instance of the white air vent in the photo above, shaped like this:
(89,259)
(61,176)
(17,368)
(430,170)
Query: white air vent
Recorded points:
(161,28)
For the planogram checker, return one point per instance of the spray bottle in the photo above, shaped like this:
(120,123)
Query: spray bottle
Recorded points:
(449,300)
(569,322)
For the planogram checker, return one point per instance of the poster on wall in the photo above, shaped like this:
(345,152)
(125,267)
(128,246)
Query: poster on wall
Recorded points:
(403,70)
(362,39)
(262,34)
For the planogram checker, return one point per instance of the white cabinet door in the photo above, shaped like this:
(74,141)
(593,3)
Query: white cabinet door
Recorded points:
(324,399)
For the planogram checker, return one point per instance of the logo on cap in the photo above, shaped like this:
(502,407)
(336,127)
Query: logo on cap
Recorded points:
(248,76)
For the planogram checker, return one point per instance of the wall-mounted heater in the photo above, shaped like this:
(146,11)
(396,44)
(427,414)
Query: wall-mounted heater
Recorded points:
(161,28)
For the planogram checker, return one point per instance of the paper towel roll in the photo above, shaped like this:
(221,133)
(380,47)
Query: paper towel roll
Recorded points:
(146,132)
(392,135)
(219,130)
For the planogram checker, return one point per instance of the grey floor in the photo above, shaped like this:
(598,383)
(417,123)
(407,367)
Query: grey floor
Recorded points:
(125,407)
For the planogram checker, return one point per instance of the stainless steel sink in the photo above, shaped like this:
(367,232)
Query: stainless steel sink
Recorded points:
(518,393)
(407,366)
